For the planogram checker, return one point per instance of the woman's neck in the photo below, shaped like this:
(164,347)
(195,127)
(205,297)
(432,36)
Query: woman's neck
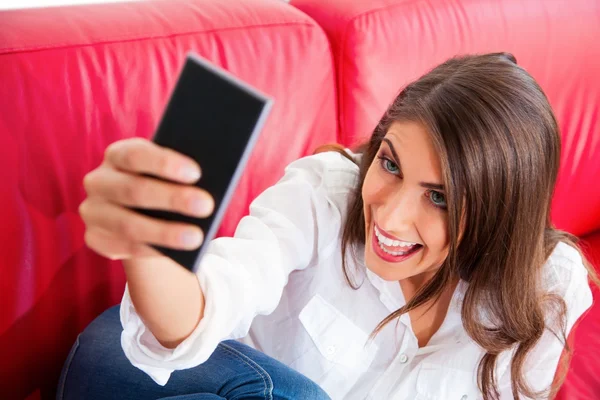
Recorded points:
(427,318)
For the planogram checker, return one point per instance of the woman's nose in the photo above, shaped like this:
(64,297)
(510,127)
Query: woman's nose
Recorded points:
(400,210)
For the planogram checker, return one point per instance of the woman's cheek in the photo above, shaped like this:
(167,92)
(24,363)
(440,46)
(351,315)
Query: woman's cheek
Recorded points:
(433,227)
(369,186)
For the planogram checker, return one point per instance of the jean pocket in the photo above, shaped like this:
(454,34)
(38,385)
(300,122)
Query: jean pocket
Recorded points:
(60,393)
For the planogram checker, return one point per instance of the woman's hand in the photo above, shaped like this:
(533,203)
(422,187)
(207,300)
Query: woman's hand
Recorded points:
(119,233)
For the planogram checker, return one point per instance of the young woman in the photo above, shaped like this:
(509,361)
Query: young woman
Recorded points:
(424,266)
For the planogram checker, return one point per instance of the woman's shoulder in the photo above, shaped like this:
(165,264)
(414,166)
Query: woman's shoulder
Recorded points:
(564,270)
(330,169)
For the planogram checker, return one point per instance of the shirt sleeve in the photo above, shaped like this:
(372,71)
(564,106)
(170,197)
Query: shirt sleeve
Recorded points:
(244,275)
(567,276)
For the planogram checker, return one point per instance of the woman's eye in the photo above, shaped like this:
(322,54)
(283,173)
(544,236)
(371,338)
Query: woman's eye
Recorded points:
(438,199)
(390,166)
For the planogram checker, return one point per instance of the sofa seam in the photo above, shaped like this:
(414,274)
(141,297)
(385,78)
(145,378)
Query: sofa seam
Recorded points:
(125,39)
(594,231)
(334,71)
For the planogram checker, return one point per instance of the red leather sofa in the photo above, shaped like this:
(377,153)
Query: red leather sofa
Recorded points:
(75,79)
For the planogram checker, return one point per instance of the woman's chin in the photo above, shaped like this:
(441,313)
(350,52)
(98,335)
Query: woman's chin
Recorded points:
(386,271)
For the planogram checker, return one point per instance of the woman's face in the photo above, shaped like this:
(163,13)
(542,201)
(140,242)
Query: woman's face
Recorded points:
(405,206)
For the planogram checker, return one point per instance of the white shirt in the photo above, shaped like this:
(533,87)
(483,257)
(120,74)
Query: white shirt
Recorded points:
(278,285)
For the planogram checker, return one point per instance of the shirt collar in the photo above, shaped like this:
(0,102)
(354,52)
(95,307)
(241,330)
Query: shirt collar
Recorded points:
(390,294)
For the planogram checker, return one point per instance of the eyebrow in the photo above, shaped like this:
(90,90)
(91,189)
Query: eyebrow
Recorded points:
(427,185)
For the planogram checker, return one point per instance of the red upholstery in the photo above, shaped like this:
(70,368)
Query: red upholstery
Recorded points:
(380,45)
(582,378)
(75,79)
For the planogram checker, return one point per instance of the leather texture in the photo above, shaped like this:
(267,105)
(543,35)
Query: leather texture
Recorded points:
(582,382)
(74,80)
(381,45)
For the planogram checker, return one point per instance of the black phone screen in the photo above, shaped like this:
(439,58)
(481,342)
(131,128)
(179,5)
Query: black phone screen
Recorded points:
(215,119)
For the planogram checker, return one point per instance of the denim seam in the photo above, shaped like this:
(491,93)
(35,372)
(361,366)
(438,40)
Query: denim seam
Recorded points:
(60,394)
(257,368)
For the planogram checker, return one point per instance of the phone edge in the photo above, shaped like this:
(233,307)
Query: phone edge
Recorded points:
(233,183)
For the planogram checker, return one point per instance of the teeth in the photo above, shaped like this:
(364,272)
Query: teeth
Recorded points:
(390,242)
(393,253)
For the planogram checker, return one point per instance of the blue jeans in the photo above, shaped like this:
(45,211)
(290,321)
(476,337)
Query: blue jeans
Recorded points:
(98,369)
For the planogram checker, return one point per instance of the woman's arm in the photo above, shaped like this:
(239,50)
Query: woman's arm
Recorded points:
(163,291)
(168,297)
(244,276)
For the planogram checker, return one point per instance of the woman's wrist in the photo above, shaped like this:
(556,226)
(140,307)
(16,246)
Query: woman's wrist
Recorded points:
(166,296)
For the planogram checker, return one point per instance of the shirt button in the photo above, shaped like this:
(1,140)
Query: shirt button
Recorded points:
(465,397)
(403,358)
(330,350)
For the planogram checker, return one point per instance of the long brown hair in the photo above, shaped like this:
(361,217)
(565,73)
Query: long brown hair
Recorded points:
(499,146)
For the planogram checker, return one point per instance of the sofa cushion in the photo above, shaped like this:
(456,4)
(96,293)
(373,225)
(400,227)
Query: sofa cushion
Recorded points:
(74,80)
(381,45)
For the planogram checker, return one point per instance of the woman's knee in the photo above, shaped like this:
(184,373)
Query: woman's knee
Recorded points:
(278,381)
(96,359)
(100,342)
(97,367)
(297,386)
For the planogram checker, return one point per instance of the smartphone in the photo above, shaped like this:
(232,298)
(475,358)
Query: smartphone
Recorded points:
(215,119)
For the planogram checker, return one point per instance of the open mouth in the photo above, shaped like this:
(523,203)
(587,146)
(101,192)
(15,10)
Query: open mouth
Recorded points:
(392,250)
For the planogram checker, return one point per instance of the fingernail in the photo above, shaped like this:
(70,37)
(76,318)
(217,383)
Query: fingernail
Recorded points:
(191,239)
(190,173)
(200,207)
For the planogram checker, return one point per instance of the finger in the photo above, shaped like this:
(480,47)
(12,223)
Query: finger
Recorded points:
(130,225)
(115,248)
(145,192)
(145,157)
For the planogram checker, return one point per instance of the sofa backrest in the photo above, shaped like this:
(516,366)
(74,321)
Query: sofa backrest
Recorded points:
(379,46)
(75,79)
